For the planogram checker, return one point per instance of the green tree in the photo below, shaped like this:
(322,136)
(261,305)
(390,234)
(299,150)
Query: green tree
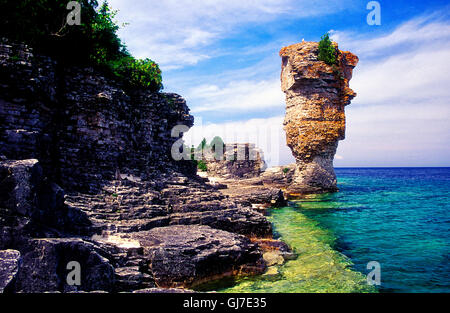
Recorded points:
(327,52)
(145,73)
(42,25)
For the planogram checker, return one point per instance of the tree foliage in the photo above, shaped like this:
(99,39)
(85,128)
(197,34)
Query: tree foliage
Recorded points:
(145,73)
(42,24)
(327,52)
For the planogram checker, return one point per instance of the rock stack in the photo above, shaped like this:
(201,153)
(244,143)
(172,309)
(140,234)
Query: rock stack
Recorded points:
(316,95)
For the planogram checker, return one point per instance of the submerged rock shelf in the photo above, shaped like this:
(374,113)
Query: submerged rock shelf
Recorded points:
(317,268)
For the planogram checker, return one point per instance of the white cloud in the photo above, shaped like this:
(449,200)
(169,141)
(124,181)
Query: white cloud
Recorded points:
(415,76)
(238,96)
(415,33)
(176,33)
(407,134)
(401,114)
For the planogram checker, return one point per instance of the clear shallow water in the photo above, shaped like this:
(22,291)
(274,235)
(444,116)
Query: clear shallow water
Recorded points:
(399,217)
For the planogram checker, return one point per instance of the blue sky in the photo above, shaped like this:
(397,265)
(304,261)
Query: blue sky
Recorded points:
(222,56)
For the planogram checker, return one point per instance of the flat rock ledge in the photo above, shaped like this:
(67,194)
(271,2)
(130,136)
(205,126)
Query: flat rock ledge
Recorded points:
(135,235)
(187,255)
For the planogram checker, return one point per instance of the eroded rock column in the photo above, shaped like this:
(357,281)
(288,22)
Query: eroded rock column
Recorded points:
(316,95)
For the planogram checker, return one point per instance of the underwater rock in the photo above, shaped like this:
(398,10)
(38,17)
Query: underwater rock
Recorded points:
(273,258)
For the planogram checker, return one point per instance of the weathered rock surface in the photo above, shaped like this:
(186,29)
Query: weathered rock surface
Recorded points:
(253,193)
(316,95)
(280,176)
(45,263)
(237,161)
(9,266)
(211,253)
(83,159)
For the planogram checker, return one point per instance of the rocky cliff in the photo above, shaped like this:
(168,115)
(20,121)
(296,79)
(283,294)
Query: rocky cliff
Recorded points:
(316,95)
(86,175)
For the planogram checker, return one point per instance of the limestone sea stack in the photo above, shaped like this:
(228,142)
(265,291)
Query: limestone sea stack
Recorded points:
(316,95)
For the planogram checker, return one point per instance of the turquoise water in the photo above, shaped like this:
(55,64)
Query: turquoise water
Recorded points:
(399,217)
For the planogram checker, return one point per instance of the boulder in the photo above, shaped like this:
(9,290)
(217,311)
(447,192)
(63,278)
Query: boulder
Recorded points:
(280,176)
(20,184)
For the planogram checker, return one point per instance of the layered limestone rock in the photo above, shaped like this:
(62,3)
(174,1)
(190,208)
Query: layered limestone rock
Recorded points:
(238,160)
(316,95)
(85,162)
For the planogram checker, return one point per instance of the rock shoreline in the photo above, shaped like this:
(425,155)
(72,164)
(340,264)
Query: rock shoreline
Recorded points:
(86,176)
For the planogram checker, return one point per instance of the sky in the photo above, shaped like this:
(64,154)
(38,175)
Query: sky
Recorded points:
(222,57)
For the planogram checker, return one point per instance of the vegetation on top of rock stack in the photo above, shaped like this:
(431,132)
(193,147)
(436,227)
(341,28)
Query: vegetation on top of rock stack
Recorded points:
(42,24)
(327,52)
